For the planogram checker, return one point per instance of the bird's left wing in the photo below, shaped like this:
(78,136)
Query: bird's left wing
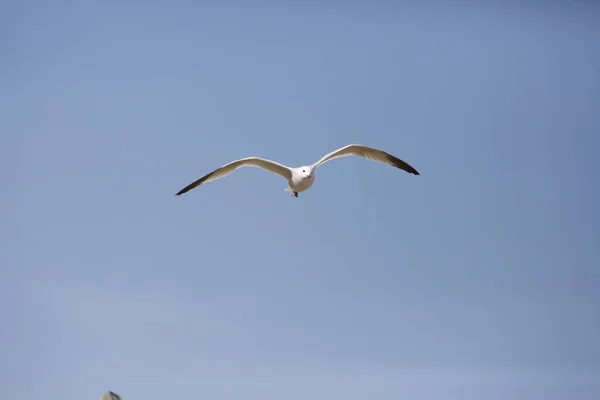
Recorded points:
(370,154)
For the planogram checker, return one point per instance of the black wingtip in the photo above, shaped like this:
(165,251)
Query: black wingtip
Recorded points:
(408,168)
(413,171)
(403,165)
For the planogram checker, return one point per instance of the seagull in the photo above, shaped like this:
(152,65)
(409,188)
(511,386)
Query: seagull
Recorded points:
(301,178)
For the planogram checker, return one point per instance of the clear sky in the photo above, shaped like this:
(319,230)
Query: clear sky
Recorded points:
(479,279)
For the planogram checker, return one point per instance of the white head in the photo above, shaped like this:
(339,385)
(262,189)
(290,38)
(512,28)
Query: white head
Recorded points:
(306,172)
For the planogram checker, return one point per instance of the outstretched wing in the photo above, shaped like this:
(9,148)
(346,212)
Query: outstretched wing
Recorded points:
(227,169)
(370,154)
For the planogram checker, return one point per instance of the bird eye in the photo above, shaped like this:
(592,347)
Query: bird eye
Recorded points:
(303,171)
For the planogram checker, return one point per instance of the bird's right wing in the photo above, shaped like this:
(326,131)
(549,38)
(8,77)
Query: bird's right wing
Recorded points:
(368,153)
(227,169)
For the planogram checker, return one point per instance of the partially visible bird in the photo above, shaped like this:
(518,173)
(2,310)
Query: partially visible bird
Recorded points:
(301,178)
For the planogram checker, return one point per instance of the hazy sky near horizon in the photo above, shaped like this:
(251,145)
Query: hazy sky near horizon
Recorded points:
(478,279)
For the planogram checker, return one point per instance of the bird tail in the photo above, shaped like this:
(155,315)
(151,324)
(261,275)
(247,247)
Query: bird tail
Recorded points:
(288,189)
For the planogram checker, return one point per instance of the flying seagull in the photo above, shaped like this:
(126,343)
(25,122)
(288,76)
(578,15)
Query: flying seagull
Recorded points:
(301,178)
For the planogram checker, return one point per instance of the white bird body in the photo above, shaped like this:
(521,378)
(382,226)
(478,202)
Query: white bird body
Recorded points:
(300,181)
(302,178)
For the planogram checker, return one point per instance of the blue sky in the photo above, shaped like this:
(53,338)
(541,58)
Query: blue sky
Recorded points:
(478,279)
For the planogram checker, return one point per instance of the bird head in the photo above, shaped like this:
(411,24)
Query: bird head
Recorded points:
(307,172)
